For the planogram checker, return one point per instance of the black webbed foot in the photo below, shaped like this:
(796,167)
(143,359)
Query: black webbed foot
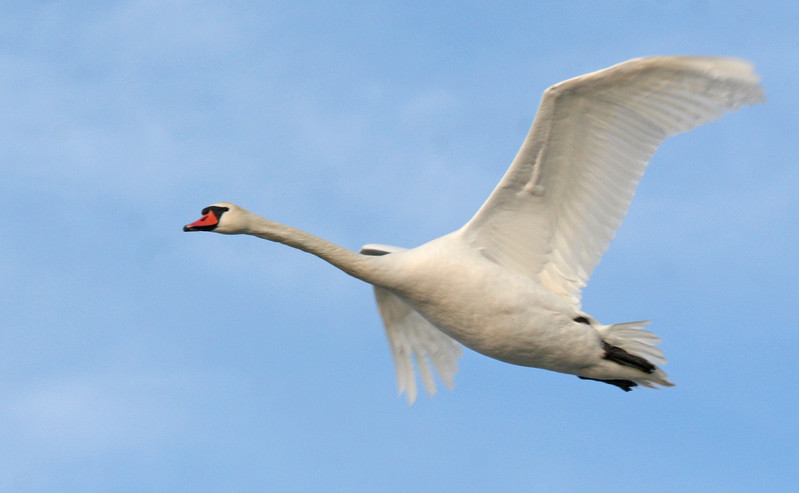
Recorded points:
(625,385)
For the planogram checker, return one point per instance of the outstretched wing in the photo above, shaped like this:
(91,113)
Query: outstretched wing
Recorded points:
(412,338)
(559,204)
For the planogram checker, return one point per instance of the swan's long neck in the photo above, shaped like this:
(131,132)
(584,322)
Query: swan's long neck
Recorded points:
(364,267)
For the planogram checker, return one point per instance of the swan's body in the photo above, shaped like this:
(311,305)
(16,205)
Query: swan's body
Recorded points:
(508,283)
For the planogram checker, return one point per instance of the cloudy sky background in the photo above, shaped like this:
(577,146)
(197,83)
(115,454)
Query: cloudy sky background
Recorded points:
(134,357)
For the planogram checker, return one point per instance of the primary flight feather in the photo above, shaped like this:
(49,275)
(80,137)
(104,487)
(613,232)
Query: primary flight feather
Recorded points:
(508,283)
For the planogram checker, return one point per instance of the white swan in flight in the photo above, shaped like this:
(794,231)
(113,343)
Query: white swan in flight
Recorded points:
(507,284)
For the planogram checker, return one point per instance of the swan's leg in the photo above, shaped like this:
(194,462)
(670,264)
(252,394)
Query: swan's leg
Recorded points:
(622,357)
(625,385)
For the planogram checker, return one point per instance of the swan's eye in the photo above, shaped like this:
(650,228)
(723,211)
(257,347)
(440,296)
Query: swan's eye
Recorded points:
(216,209)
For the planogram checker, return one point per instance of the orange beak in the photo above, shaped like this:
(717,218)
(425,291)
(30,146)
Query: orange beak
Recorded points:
(206,222)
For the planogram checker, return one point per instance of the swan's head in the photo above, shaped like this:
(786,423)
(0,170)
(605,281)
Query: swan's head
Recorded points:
(222,218)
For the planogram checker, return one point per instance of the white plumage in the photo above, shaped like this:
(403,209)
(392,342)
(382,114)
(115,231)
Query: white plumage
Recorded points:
(508,283)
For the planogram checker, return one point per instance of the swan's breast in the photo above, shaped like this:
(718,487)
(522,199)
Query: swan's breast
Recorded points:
(486,307)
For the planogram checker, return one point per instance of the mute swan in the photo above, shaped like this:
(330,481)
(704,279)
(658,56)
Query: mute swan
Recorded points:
(507,284)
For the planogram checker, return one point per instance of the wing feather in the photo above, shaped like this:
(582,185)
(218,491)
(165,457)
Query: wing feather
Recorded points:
(567,191)
(412,338)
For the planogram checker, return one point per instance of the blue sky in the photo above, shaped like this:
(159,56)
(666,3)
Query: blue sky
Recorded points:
(135,357)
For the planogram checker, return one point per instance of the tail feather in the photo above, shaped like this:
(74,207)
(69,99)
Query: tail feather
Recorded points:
(632,337)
